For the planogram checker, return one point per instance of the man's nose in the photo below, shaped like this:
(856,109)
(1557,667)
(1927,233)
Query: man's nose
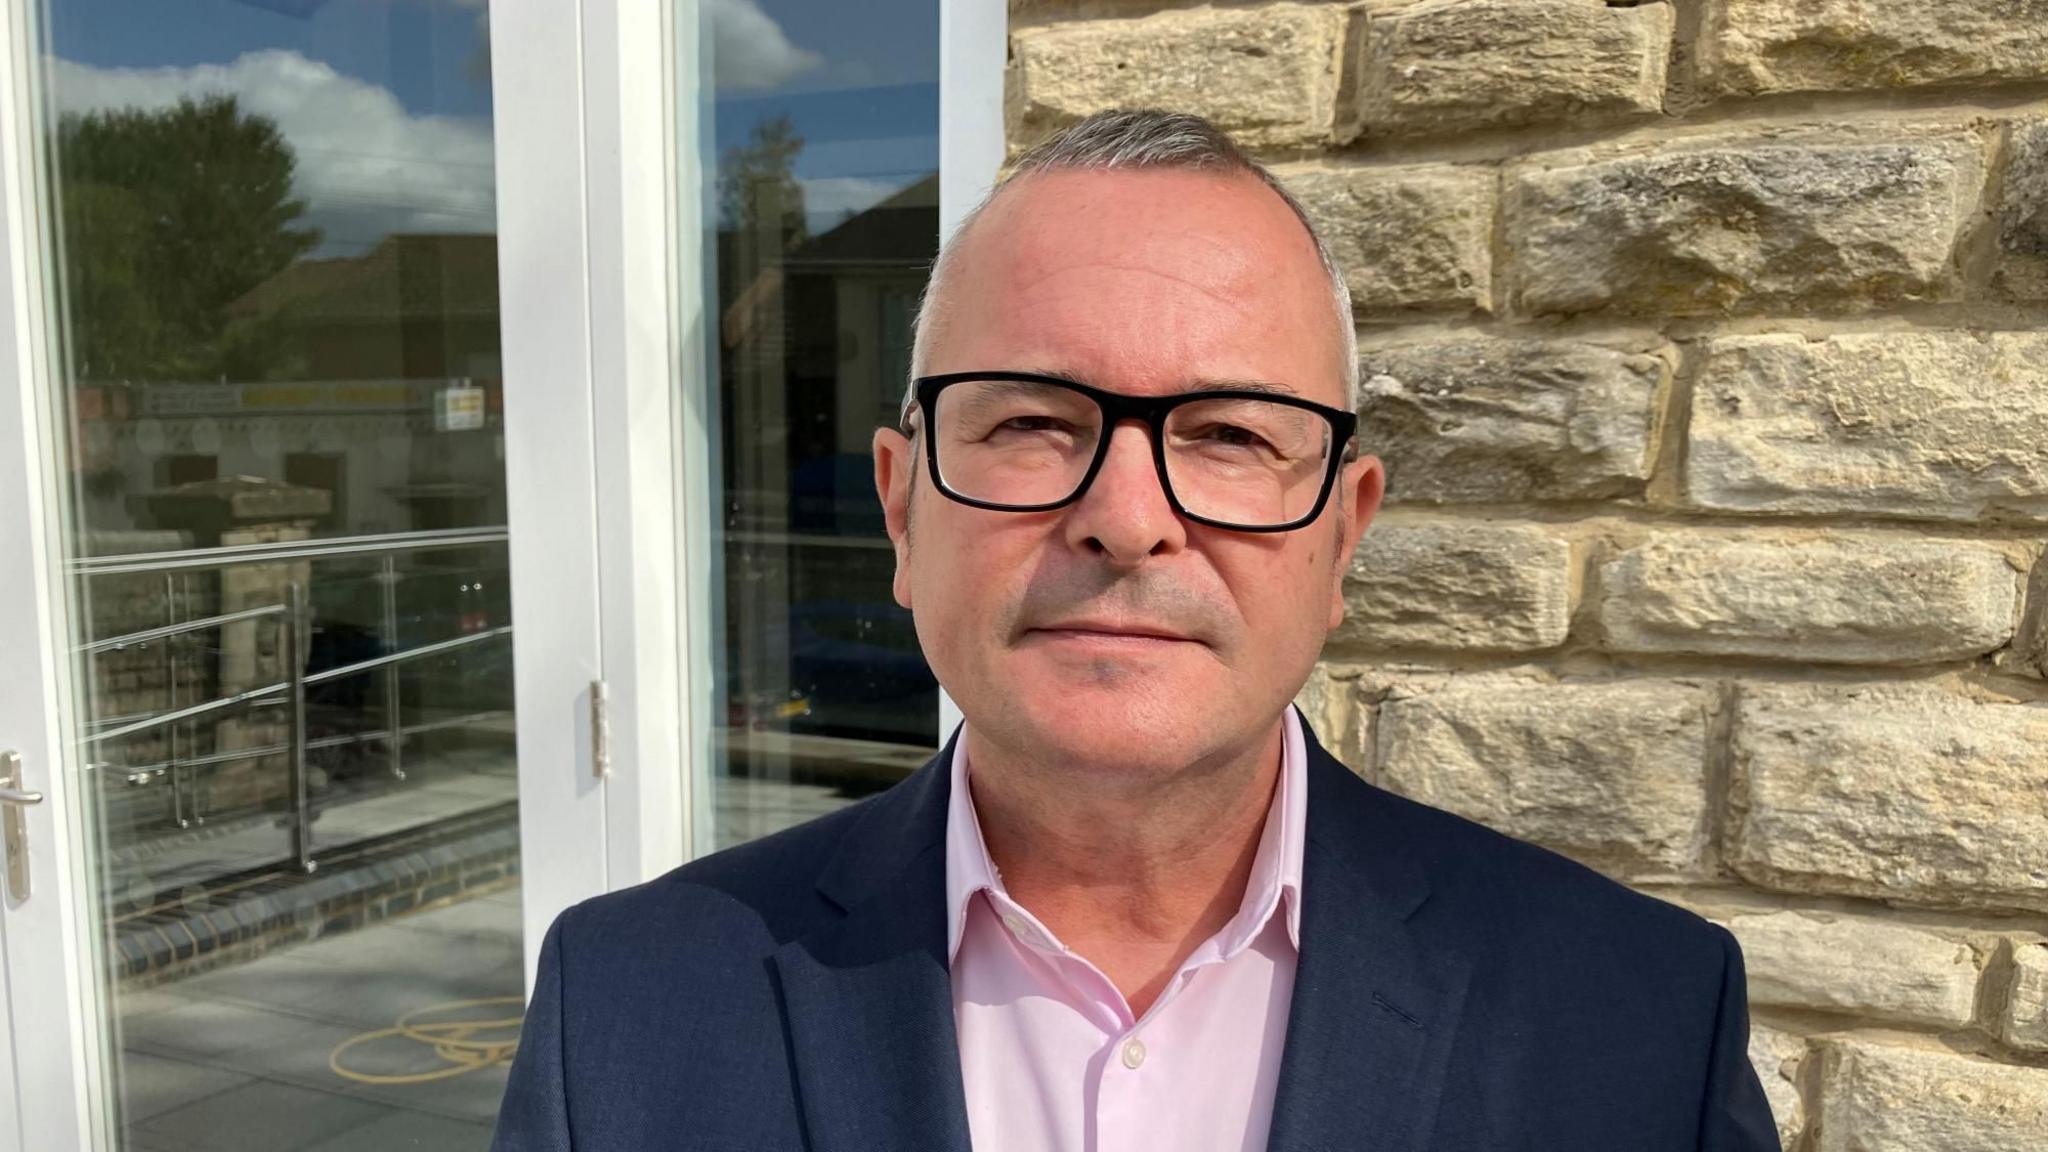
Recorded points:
(1125,514)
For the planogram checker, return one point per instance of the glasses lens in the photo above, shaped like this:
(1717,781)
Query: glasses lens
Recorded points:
(1252,463)
(1014,443)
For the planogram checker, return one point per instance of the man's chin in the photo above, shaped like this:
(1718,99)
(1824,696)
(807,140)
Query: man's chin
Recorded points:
(1130,722)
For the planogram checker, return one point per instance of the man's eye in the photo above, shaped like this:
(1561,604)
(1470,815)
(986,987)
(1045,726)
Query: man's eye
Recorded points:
(1232,435)
(1032,424)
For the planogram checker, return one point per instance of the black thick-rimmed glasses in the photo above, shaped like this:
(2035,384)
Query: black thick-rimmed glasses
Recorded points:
(1243,459)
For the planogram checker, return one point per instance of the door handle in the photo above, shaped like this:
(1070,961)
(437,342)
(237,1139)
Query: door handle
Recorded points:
(14,824)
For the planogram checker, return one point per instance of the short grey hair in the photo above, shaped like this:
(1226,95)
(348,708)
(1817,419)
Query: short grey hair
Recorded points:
(1140,139)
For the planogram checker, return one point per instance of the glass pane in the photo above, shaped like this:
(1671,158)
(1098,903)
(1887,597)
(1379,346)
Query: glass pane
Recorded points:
(821,158)
(277,276)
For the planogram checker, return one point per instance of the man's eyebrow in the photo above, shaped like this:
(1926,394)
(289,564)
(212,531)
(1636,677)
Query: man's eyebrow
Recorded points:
(1056,374)
(1244,386)
(988,390)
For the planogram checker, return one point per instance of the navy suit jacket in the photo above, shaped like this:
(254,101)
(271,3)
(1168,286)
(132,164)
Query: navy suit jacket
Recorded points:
(1456,990)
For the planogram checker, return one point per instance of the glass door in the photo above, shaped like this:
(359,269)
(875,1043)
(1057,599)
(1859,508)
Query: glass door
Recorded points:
(818,144)
(265,853)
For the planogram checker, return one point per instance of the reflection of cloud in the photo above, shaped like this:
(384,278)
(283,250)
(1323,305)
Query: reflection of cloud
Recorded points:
(750,51)
(366,166)
(830,199)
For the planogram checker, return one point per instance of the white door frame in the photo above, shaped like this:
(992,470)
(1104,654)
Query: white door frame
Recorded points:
(50,1096)
(586,275)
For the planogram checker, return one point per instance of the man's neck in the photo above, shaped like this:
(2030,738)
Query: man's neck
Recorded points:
(1132,874)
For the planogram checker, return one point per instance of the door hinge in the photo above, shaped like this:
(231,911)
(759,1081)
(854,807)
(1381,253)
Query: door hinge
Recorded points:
(600,731)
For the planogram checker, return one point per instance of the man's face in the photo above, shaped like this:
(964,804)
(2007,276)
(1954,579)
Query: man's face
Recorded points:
(1112,631)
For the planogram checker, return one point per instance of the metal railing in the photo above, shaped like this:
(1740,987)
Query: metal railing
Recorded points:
(290,616)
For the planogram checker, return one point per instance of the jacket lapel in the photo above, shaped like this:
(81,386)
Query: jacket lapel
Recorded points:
(867,1000)
(1375,1005)
(869,1008)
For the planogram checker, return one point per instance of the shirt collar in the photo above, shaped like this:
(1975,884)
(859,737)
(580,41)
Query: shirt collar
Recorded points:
(1275,881)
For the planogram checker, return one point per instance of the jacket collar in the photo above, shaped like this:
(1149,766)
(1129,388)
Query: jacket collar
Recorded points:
(868,1001)
(1376,1004)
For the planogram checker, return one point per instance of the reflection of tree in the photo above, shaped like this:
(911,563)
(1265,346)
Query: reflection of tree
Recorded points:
(169,216)
(757,185)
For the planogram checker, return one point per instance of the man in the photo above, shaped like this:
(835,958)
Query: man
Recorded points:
(1133,904)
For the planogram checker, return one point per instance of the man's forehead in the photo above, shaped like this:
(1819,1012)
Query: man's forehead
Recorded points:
(1148,281)
(1209,225)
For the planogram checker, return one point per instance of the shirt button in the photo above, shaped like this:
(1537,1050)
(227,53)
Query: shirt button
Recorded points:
(1134,1053)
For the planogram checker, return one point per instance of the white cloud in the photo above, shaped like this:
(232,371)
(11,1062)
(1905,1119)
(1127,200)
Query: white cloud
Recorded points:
(366,165)
(750,51)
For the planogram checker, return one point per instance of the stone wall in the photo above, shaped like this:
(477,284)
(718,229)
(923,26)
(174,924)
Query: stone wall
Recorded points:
(1707,348)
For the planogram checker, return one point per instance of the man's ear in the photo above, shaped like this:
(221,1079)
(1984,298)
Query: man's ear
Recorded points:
(1363,484)
(895,467)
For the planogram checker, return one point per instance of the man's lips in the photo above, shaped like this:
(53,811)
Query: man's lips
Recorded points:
(1112,630)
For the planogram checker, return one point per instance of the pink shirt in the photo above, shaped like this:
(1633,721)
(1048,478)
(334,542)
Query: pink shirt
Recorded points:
(1049,1051)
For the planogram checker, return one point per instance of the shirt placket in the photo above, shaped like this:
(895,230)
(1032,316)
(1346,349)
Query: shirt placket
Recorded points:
(1126,1071)
(1130,1080)
(1135,1077)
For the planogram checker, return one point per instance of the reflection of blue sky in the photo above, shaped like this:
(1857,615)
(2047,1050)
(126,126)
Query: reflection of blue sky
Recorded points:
(859,145)
(862,90)
(425,51)
(389,108)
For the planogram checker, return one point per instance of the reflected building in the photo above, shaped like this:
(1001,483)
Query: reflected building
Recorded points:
(285,520)
(824,686)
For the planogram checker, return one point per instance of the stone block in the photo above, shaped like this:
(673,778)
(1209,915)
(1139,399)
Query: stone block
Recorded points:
(2026,1011)
(1938,425)
(1330,703)
(1408,239)
(2022,268)
(1483,420)
(1779,222)
(1374,685)
(1880,1097)
(1612,773)
(1859,598)
(1753,47)
(2030,647)
(1459,64)
(1266,75)
(1904,791)
(1458,585)
(1860,965)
